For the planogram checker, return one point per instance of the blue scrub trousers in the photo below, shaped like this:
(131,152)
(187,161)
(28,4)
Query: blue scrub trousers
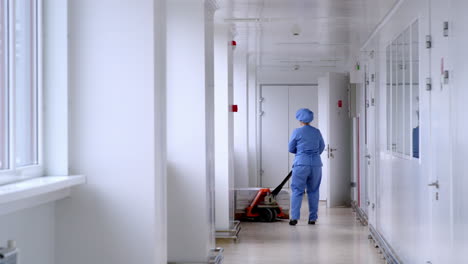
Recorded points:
(305,177)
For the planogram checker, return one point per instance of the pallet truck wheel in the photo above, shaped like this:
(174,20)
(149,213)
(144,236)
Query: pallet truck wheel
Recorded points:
(275,215)
(266,215)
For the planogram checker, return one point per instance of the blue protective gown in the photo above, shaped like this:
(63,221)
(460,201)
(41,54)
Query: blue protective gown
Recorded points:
(416,142)
(307,143)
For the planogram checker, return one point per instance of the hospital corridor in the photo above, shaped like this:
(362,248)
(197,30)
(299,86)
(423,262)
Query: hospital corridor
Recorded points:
(233,131)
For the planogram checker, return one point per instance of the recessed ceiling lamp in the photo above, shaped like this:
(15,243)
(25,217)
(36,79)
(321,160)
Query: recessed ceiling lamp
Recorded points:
(296,30)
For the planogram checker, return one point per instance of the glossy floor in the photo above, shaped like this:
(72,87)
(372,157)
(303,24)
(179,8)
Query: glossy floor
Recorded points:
(336,239)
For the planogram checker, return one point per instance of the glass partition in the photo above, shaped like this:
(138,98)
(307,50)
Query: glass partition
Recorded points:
(406,92)
(400,96)
(415,88)
(394,96)
(402,91)
(389,96)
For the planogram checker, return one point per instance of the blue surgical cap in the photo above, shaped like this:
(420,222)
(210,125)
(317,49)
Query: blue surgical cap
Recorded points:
(304,115)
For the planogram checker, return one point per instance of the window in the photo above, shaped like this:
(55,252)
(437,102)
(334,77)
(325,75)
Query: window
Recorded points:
(415,88)
(402,91)
(26,88)
(19,87)
(4,146)
(388,53)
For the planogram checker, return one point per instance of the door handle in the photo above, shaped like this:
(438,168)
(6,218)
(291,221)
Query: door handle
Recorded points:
(434,184)
(368,156)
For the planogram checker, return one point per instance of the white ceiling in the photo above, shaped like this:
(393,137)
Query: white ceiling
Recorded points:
(331,30)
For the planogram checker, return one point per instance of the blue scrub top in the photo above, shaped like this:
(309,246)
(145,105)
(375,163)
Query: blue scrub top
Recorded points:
(416,142)
(307,143)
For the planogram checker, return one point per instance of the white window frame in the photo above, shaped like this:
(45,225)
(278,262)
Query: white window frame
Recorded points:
(13,173)
(390,130)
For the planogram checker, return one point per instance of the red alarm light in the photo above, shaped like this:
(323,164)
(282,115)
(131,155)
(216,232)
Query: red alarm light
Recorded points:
(234,108)
(233,43)
(340,103)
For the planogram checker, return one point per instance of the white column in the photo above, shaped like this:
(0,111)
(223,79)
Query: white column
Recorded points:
(113,91)
(224,125)
(253,153)
(160,132)
(55,79)
(241,167)
(190,130)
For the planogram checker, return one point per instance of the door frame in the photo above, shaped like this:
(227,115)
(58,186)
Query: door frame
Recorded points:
(258,176)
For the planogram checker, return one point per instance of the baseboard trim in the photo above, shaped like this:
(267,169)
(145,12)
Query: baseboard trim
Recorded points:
(385,249)
(360,214)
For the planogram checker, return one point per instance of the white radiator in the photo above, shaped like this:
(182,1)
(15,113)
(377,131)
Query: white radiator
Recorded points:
(9,255)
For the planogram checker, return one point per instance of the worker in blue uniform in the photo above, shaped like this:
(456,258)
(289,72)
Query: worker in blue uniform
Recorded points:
(307,143)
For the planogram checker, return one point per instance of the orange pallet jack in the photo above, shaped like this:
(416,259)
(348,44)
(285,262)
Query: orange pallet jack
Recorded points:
(264,207)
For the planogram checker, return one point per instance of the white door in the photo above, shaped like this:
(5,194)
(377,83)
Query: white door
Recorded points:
(279,106)
(441,180)
(274,135)
(370,158)
(338,136)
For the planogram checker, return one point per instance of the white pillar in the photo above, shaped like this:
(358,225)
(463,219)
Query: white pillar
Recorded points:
(253,153)
(241,167)
(160,132)
(224,125)
(190,130)
(56,82)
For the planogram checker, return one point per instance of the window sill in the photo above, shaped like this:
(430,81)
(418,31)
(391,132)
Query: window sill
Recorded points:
(37,191)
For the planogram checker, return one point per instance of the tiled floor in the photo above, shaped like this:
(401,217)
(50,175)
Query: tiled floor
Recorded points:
(338,238)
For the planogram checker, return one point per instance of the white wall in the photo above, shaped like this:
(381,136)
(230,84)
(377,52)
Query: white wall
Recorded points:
(190,130)
(113,218)
(224,128)
(287,76)
(403,199)
(402,184)
(36,244)
(458,67)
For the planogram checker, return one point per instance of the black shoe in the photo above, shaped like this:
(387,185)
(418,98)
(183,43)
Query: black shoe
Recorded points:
(293,222)
(311,222)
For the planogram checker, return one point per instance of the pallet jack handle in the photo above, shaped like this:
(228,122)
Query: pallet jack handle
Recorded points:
(276,191)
